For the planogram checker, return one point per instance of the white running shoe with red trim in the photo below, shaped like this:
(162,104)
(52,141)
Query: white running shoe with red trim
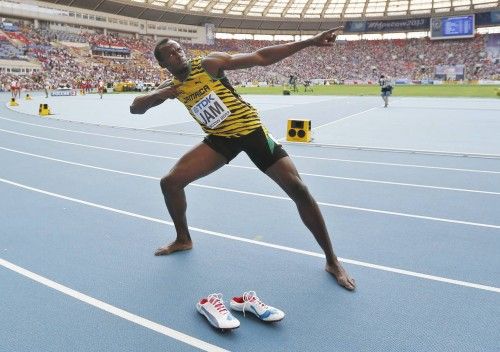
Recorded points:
(250,302)
(213,308)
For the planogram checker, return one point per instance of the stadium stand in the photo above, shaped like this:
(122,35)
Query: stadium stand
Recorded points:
(347,61)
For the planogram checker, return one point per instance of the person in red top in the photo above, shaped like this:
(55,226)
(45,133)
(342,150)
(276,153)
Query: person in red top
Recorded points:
(100,88)
(15,89)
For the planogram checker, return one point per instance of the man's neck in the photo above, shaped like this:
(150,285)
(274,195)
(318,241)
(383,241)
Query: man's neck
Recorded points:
(182,74)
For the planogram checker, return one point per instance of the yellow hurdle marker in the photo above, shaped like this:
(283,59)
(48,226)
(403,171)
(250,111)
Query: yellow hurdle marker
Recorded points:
(298,131)
(28,97)
(44,110)
(13,102)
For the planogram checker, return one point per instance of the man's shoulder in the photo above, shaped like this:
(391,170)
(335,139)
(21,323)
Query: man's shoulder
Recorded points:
(211,63)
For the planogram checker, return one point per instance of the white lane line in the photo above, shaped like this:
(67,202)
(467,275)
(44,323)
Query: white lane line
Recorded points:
(313,144)
(259,243)
(110,126)
(333,122)
(401,184)
(369,210)
(88,146)
(292,155)
(177,335)
(98,134)
(403,150)
(263,195)
(395,164)
(343,118)
(254,168)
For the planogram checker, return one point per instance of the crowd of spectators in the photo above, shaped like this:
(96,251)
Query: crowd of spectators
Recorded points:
(363,60)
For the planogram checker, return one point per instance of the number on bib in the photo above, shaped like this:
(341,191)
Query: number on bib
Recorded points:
(210,111)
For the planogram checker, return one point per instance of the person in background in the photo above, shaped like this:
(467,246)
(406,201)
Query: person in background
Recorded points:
(14,88)
(385,88)
(100,87)
(46,88)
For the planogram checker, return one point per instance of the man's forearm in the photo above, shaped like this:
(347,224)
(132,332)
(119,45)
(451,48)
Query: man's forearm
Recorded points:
(275,53)
(143,103)
(165,83)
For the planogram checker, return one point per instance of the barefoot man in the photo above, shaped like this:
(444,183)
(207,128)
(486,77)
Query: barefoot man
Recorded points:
(231,126)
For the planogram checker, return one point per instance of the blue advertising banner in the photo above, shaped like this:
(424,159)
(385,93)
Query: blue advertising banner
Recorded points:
(387,26)
(487,18)
(495,17)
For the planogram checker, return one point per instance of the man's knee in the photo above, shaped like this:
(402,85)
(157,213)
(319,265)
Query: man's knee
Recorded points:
(171,182)
(297,190)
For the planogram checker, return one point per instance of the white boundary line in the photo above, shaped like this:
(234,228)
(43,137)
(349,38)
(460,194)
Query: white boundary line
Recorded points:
(312,144)
(259,243)
(334,205)
(292,155)
(88,146)
(51,117)
(332,122)
(254,168)
(151,325)
(255,194)
(97,134)
(396,164)
(246,167)
(400,150)
(343,118)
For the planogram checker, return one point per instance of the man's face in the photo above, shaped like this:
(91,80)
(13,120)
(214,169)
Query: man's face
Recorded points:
(173,57)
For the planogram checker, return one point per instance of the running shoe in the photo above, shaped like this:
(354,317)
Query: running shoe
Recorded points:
(213,308)
(249,302)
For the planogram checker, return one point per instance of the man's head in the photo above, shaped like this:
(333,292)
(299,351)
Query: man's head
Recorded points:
(170,55)
(382,76)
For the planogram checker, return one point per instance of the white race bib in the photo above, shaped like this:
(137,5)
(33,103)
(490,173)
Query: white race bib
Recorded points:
(210,111)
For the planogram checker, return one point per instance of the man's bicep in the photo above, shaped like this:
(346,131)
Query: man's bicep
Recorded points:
(223,61)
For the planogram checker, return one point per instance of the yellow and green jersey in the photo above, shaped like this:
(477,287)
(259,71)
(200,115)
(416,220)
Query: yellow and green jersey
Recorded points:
(215,105)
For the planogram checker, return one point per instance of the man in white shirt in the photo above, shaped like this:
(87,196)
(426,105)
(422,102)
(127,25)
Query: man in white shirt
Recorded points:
(385,88)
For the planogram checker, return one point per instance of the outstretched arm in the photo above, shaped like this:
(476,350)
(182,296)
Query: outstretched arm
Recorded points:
(214,63)
(143,103)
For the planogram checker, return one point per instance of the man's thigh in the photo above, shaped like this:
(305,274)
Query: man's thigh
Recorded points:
(200,161)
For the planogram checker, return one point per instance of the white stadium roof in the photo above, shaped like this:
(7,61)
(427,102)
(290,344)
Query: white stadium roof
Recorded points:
(278,14)
(335,9)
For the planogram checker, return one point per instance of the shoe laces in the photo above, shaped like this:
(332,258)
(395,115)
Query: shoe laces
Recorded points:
(216,300)
(250,297)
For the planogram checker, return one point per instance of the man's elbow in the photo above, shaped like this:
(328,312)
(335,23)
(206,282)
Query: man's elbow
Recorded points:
(261,59)
(135,110)
(265,61)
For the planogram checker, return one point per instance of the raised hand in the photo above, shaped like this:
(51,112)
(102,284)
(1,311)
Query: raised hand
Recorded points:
(326,38)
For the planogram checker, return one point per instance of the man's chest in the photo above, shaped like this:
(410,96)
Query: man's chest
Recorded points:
(193,90)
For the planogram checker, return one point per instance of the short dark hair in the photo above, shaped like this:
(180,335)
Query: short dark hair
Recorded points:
(158,46)
(382,76)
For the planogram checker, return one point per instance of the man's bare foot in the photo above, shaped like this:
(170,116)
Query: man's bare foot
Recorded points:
(174,247)
(341,275)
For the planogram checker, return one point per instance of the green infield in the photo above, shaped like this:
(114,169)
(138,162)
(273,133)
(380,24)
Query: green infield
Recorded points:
(484,91)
